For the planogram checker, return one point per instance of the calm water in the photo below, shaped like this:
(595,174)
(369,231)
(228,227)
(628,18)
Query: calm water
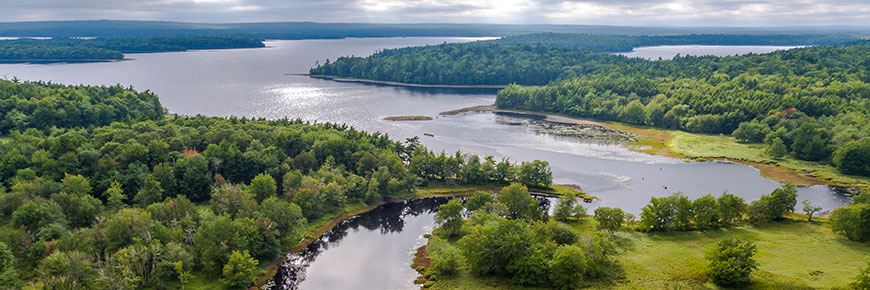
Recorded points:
(260,83)
(669,51)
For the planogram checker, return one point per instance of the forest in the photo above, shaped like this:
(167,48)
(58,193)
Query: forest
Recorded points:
(112,48)
(149,201)
(808,103)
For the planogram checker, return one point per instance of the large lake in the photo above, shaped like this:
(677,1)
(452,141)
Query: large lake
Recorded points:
(262,83)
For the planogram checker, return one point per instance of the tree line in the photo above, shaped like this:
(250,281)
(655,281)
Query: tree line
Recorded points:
(113,48)
(152,202)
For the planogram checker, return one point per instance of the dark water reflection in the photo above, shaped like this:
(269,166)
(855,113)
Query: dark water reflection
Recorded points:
(370,251)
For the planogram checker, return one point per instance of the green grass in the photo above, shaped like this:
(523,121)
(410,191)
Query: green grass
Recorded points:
(793,254)
(787,169)
(5,139)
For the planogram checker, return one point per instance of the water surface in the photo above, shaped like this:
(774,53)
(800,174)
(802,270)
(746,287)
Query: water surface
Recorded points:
(669,51)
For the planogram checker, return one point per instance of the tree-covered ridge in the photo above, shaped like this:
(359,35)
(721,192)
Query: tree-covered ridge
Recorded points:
(479,63)
(111,48)
(622,43)
(41,105)
(808,102)
(532,59)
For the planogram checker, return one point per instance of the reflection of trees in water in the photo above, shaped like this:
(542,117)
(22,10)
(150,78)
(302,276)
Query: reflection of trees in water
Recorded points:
(386,219)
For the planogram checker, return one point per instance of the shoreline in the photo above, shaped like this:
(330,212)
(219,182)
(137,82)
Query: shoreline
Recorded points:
(660,142)
(437,191)
(400,84)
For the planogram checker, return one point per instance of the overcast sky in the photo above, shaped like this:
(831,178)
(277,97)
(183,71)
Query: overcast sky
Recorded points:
(612,12)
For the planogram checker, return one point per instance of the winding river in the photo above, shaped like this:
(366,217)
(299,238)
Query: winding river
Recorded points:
(264,83)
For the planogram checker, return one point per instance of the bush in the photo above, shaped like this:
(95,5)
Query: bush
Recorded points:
(862,281)
(609,219)
(852,221)
(853,157)
(566,207)
(443,260)
(567,267)
(240,271)
(732,262)
(775,205)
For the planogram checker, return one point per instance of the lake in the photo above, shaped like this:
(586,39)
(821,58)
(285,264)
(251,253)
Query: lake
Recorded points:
(262,82)
(669,51)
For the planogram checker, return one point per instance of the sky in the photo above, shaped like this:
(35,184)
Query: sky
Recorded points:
(602,12)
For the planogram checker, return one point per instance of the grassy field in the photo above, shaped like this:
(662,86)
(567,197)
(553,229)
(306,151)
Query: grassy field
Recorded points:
(793,254)
(795,171)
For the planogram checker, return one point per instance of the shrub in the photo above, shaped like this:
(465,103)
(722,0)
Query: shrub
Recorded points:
(775,205)
(609,219)
(732,262)
(852,221)
(567,267)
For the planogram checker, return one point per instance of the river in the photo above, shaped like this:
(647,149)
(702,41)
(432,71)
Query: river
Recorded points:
(263,82)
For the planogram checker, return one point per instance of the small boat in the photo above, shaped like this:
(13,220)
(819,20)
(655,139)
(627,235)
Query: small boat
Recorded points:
(428,134)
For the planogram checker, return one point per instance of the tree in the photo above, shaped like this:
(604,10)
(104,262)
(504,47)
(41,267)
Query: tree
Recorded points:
(853,157)
(478,200)
(567,267)
(567,206)
(519,202)
(183,276)
(777,149)
(8,275)
(810,143)
(80,210)
(72,265)
(193,177)
(76,185)
(449,218)
(35,214)
(115,196)
(609,219)
(263,186)
(233,201)
(240,271)
(852,221)
(706,211)
(287,216)
(751,132)
(490,249)
(732,261)
(731,208)
(633,113)
(535,174)
(810,209)
(776,205)
(151,192)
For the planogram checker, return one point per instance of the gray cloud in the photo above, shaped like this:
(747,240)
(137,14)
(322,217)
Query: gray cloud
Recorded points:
(613,12)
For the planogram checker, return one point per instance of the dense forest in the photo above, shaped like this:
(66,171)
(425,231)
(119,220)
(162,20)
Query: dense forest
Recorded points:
(810,103)
(43,105)
(532,59)
(149,200)
(481,63)
(72,49)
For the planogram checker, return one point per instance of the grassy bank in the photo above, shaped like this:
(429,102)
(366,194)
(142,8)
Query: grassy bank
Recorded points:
(793,254)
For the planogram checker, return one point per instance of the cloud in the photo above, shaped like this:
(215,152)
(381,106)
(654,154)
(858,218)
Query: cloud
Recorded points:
(612,12)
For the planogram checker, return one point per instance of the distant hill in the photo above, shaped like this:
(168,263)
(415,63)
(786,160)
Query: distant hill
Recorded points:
(312,30)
